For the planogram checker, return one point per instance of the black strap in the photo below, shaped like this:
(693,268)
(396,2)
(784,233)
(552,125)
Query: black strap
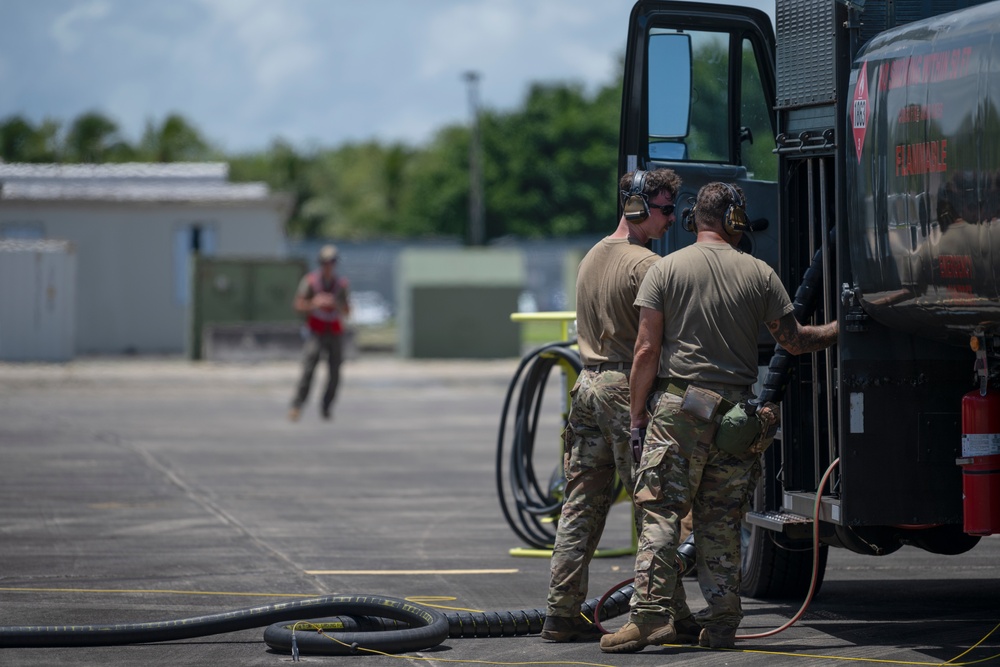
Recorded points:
(609,366)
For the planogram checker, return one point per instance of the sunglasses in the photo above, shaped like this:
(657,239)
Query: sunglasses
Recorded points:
(666,208)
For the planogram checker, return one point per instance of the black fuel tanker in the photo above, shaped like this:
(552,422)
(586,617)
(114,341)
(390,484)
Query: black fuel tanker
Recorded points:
(924,181)
(866,136)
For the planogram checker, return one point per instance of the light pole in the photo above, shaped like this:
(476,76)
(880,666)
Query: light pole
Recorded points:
(477,224)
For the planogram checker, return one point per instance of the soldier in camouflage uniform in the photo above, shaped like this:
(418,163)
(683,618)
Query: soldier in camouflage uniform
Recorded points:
(596,437)
(701,308)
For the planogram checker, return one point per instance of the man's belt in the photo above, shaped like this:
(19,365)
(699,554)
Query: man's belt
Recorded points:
(609,366)
(677,387)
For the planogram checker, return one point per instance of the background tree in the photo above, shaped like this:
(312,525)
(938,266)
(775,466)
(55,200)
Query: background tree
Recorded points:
(551,169)
(285,170)
(356,190)
(175,140)
(20,141)
(95,138)
(435,198)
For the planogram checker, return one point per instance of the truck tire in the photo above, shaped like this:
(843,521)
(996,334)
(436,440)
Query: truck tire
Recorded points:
(773,566)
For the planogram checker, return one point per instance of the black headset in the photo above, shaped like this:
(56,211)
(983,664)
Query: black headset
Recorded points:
(734,220)
(687,217)
(634,201)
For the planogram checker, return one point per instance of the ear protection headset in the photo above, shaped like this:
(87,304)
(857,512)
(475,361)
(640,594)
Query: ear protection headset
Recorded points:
(687,217)
(635,202)
(734,220)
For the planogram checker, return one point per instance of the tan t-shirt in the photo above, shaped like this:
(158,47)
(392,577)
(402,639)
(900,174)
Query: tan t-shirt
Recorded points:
(607,322)
(713,299)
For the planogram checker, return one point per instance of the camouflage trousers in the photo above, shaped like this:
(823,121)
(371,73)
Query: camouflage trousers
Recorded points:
(595,448)
(678,474)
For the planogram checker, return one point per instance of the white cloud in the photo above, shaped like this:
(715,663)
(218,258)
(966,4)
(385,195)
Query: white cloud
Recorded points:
(272,37)
(69,29)
(516,42)
(468,36)
(247,71)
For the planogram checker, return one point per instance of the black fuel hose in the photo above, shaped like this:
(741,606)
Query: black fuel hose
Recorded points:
(349,623)
(525,500)
(803,306)
(371,632)
(36,636)
(397,626)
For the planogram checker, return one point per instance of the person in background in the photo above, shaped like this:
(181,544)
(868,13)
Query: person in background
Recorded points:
(324,298)
(596,436)
(701,308)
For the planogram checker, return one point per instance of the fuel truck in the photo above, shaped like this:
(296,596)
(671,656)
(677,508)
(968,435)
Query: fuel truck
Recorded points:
(866,136)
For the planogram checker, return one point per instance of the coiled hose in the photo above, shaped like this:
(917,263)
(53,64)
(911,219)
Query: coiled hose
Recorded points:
(354,633)
(343,625)
(524,499)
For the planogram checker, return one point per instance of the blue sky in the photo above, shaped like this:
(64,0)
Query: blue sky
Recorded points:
(312,72)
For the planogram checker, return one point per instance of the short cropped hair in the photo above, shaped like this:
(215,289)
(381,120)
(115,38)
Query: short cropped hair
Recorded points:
(713,200)
(657,181)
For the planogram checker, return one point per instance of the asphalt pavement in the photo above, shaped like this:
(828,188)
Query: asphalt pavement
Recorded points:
(143,491)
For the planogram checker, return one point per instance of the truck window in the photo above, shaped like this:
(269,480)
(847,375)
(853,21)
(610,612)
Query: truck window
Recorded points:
(690,77)
(757,137)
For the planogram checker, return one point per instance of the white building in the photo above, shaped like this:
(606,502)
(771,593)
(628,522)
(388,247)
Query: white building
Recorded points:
(134,228)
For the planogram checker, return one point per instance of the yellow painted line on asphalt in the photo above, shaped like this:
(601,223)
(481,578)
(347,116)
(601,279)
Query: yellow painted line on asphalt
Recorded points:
(409,572)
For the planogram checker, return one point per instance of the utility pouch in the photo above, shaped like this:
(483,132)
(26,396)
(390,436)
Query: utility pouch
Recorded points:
(700,403)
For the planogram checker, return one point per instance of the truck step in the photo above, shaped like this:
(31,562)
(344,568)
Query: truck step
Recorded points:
(777,521)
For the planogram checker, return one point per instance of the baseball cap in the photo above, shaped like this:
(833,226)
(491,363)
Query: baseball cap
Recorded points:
(328,253)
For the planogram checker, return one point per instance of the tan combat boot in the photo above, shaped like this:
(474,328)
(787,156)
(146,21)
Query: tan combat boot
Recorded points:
(576,629)
(633,637)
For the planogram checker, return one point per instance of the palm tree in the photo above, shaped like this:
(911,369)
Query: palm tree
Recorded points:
(176,140)
(20,141)
(93,137)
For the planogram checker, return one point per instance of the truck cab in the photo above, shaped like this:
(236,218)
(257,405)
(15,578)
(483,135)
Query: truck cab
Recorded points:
(865,136)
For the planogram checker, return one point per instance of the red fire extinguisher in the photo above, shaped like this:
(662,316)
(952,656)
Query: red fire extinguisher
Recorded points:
(981,461)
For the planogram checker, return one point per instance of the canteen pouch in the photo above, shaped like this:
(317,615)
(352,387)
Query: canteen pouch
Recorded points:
(739,430)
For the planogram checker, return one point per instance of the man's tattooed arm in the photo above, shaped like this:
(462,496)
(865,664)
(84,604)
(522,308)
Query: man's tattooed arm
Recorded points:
(798,338)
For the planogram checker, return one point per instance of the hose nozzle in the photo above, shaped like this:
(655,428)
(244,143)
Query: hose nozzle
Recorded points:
(686,555)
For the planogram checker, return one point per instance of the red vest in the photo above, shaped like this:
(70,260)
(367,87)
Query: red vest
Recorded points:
(325,320)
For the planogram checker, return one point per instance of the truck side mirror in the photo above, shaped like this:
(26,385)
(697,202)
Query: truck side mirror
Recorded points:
(669,88)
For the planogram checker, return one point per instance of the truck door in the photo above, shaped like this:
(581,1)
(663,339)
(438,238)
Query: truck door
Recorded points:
(698,99)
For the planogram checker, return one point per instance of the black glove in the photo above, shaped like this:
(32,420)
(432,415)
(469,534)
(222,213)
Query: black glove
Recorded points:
(637,439)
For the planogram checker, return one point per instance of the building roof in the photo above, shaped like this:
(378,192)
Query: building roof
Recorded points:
(216,172)
(119,192)
(199,182)
(35,245)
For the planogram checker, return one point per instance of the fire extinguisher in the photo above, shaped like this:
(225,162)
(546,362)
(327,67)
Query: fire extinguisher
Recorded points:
(980,460)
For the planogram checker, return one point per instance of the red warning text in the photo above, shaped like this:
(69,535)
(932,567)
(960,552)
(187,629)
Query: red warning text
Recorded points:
(921,158)
(921,69)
